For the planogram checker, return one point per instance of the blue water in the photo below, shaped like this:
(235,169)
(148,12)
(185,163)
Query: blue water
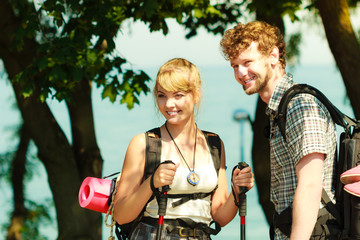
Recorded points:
(116,125)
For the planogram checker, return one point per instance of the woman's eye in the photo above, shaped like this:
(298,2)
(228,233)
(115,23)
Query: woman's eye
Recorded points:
(179,95)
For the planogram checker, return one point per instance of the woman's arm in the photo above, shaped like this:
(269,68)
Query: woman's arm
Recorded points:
(133,193)
(223,208)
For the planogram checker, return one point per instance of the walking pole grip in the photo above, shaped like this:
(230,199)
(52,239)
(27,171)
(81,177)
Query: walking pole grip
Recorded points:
(242,165)
(162,205)
(242,203)
(243,190)
(163,200)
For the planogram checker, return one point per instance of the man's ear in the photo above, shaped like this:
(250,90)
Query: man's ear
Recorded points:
(274,56)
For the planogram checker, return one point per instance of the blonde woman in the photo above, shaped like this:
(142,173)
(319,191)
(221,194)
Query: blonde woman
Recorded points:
(198,191)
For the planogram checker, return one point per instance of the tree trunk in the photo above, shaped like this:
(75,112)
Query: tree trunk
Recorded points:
(63,176)
(85,147)
(53,147)
(261,160)
(343,45)
(17,179)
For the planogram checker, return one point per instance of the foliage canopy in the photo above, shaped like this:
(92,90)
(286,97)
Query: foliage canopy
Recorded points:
(76,41)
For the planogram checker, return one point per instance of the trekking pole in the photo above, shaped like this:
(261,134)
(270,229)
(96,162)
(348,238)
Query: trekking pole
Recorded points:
(162,210)
(242,203)
(162,205)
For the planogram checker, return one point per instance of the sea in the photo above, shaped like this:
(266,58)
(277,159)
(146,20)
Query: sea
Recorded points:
(115,125)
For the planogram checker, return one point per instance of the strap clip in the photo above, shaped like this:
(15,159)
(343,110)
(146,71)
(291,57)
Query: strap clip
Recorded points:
(181,234)
(182,231)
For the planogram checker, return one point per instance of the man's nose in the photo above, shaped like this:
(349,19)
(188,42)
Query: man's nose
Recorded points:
(241,71)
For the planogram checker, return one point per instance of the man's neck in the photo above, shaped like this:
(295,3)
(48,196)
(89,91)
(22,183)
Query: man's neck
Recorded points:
(266,94)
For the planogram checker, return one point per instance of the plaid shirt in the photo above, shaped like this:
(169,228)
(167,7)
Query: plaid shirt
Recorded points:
(309,129)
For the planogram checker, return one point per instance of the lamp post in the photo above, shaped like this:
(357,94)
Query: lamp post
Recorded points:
(241,115)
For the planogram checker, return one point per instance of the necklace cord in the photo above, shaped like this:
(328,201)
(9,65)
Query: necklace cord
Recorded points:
(179,148)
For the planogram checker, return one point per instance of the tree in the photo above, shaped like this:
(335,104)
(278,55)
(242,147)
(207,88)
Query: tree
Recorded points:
(60,49)
(344,45)
(17,179)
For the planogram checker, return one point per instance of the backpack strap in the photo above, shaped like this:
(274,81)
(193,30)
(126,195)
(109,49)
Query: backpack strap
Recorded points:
(325,226)
(153,151)
(330,206)
(214,143)
(337,116)
(187,197)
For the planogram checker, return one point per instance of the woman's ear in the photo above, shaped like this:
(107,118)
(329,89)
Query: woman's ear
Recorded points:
(198,96)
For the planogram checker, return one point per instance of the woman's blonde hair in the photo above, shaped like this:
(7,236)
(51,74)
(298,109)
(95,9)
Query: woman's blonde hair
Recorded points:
(179,74)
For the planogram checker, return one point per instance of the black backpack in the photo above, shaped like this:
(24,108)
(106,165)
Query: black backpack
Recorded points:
(152,161)
(347,208)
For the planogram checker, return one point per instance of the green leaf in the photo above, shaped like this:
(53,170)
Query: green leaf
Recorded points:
(198,13)
(91,57)
(150,7)
(77,74)
(128,98)
(42,63)
(109,92)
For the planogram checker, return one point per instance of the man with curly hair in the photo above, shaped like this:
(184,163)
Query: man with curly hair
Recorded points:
(303,164)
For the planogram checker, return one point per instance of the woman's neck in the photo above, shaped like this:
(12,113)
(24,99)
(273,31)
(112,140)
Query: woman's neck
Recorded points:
(185,132)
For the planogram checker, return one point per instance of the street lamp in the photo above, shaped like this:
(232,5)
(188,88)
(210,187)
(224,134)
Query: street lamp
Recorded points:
(241,115)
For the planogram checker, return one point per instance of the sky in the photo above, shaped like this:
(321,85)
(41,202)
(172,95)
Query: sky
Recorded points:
(144,49)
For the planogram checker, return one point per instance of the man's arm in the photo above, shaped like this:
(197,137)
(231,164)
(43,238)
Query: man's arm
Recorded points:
(307,195)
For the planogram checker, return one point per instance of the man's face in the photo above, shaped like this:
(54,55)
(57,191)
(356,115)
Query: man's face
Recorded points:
(252,69)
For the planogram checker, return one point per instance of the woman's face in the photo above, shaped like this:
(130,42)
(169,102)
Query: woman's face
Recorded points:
(175,106)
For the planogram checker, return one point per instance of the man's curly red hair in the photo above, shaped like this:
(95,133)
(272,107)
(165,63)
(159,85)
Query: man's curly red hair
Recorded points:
(241,36)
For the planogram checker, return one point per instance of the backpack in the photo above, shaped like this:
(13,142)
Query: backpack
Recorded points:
(152,161)
(346,211)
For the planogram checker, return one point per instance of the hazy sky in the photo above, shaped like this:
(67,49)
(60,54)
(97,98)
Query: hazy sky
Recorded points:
(143,48)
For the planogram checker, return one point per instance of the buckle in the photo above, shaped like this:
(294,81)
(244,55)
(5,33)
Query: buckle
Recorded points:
(181,234)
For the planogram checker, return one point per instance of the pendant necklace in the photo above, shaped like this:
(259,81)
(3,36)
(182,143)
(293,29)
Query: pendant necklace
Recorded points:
(193,178)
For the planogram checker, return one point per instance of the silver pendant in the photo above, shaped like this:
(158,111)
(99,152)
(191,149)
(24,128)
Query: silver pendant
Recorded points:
(193,178)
